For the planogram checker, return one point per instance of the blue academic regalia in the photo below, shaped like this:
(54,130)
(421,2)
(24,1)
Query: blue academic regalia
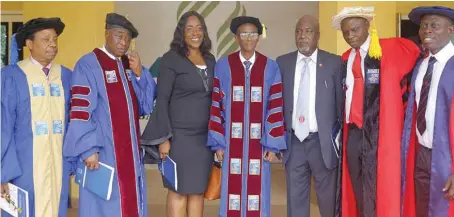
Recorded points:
(107,101)
(35,111)
(442,165)
(246,119)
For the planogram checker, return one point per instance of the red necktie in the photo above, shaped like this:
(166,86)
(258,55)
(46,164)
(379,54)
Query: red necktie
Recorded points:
(356,109)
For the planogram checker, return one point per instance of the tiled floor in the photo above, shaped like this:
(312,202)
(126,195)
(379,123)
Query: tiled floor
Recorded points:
(156,196)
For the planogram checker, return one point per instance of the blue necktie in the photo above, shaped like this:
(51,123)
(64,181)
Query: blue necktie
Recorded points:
(302,105)
(247,64)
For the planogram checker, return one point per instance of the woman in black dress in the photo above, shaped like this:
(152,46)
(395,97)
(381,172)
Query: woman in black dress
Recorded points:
(179,124)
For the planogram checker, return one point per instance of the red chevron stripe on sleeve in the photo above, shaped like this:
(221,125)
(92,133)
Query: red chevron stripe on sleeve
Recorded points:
(216,82)
(79,102)
(276,88)
(216,126)
(79,115)
(275,103)
(215,111)
(277,131)
(275,117)
(80,90)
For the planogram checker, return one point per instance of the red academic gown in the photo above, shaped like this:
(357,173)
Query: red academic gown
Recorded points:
(398,59)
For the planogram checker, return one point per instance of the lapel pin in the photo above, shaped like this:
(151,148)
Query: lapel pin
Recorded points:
(320,65)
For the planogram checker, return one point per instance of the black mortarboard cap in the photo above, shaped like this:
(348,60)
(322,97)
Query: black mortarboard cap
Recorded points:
(114,19)
(238,21)
(35,25)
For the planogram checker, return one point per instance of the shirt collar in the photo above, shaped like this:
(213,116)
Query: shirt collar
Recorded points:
(365,46)
(444,54)
(103,48)
(313,56)
(252,59)
(37,63)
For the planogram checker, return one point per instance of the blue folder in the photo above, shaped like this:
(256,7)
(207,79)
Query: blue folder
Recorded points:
(97,181)
(168,169)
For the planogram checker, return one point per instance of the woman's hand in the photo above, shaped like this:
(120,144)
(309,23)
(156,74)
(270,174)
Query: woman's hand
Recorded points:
(164,149)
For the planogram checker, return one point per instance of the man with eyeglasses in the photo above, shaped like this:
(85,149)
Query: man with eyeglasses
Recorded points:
(110,91)
(246,127)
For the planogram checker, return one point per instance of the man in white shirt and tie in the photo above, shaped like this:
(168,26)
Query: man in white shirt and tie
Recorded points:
(376,72)
(313,98)
(428,139)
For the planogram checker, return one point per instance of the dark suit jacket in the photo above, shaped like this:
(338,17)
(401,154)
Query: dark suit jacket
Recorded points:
(329,99)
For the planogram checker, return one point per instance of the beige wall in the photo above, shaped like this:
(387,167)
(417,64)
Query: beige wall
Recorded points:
(84,28)
(156,22)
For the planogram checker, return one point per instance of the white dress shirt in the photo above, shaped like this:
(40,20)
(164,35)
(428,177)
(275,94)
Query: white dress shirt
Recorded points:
(350,80)
(442,57)
(252,60)
(313,127)
(103,48)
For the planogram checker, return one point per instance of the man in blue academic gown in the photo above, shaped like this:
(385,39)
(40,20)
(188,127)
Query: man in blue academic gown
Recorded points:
(110,91)
(246,126)
(35,105)
(428,137)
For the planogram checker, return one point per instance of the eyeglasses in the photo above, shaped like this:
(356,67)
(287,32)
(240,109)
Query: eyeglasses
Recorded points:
(11,202)
(246,35)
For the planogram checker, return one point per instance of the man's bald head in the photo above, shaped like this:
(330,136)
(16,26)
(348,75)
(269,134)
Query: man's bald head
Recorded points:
(307,34)
(310,19)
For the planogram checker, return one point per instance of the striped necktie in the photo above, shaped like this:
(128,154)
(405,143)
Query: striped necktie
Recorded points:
(423,97)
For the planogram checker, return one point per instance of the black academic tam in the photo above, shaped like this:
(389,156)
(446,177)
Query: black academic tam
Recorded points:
(114,19)
(38,24)
(238,21)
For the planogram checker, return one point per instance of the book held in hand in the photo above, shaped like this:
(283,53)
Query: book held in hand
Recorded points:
(168,169)
(16,202)
(98,181)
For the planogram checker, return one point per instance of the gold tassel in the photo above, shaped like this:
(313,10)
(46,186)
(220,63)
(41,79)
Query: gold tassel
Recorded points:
(263,31)
(374,47)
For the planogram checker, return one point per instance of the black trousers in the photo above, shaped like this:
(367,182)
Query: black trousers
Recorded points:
(422,180)
(362,166)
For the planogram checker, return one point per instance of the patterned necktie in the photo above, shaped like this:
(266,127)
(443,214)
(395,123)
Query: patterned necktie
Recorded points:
(421,113)
(356,109)
(302,105)
(46,71)
(247,64)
